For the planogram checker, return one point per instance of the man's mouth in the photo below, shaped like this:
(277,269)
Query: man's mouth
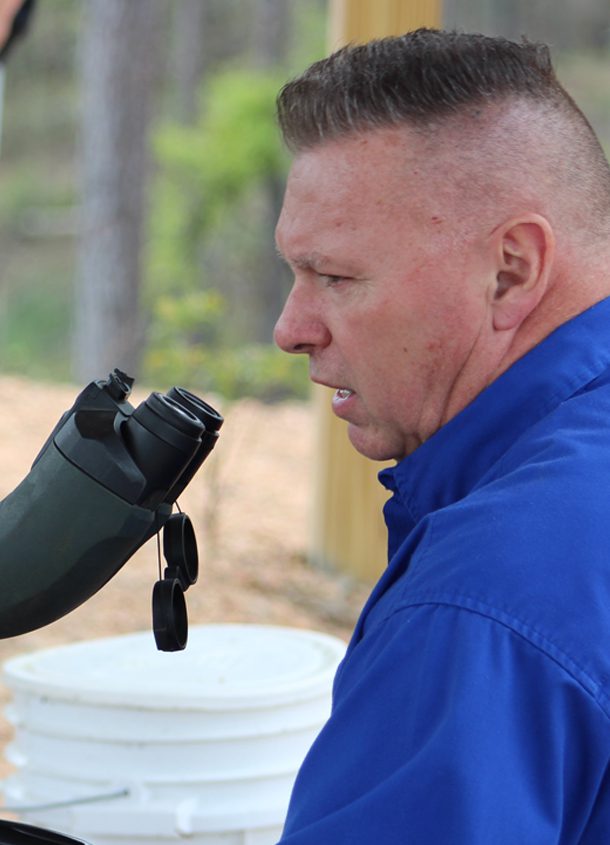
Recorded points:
(343,401)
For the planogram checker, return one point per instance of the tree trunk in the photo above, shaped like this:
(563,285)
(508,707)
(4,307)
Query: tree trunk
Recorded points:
(188,55)
(118,69)
(271,31)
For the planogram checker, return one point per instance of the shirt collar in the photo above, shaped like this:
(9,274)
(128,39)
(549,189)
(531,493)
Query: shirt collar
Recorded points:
(448,465)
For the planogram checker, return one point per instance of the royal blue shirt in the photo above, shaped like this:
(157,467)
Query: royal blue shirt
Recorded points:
(473,705)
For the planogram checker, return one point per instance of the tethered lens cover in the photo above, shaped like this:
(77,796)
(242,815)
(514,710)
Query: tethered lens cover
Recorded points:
(170,623)
(180,550)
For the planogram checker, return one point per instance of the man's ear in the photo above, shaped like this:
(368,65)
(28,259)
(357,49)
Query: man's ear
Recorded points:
(524,248)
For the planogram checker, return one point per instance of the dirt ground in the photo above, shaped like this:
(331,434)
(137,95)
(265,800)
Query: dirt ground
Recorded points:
(250,505)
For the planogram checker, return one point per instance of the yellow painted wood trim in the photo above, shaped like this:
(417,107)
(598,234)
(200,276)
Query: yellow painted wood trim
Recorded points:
(348,532)
(361,20)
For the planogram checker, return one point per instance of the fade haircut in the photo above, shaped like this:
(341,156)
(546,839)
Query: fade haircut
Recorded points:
(426,78)
(413,78)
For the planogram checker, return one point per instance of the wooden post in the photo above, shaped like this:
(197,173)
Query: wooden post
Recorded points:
(348,532)
(362,20)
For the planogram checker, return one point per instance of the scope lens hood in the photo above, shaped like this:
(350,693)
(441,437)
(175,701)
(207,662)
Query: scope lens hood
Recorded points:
(204,412)
(180,550)
(170,622)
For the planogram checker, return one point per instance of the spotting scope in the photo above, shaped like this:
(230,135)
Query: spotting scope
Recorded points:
(104,483)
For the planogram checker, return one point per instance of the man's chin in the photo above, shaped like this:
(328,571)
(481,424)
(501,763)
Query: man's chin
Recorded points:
(372,445)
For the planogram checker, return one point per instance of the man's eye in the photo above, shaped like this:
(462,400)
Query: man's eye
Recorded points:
(329,279)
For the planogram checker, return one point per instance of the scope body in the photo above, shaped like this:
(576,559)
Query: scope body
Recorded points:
(104,482)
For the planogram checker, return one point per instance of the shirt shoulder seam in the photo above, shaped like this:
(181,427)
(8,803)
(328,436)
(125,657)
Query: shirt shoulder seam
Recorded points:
(522,629)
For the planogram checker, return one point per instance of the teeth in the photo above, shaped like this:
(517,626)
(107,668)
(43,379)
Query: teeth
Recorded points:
(344,393)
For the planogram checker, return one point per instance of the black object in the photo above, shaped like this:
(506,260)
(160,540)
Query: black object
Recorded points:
(19,28)
(170,624)
(16,833)
(180,550)
(169,607)
(212,422)
(104,483)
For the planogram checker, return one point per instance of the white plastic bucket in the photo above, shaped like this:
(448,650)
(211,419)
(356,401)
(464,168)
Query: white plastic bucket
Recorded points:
(202,744)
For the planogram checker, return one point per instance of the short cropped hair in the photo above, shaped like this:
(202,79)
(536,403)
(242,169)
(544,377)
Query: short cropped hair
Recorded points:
(427,76)
(412,78)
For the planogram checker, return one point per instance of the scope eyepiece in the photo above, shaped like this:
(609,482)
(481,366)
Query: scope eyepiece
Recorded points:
(212,421)
(208,416)
(168,420)
(162,438)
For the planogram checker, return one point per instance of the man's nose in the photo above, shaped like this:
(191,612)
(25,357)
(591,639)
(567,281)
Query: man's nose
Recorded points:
(300,328)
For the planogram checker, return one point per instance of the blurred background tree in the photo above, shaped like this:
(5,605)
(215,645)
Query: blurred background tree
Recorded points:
(119,48)
(141,175)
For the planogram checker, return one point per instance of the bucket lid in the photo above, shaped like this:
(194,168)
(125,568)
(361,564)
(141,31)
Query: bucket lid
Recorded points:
(229,666)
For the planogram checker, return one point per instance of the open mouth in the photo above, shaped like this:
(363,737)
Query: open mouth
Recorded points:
(343,401)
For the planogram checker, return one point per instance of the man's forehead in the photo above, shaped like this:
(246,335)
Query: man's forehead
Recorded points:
(345,182)
(394,145)
(349,175)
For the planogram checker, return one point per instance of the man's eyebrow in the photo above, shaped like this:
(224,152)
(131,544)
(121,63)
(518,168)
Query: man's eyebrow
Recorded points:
(303,262)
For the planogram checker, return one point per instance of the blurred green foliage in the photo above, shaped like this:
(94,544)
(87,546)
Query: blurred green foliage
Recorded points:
(38,195)
(204,186)
(209,175)
(205,171)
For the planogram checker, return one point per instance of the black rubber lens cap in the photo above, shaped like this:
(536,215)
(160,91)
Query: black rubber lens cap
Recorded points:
(170,623)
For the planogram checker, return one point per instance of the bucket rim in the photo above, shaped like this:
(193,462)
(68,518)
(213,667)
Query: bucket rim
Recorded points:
(21,675)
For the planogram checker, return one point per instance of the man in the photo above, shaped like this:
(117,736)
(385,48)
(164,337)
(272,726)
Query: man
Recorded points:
(447,220)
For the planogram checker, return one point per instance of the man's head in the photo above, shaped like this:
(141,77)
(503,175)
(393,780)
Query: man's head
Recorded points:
(454,189)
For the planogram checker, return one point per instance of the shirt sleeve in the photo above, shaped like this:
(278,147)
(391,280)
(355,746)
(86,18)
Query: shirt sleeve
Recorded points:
(450,728)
